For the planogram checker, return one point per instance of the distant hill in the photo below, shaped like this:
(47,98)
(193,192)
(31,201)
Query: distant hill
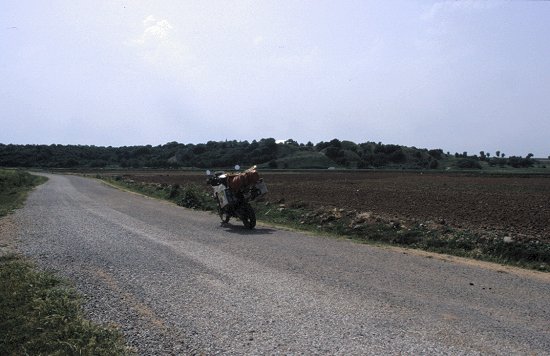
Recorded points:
(300,160)
(267,153)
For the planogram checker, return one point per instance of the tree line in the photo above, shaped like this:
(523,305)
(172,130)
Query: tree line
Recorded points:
(169,155)
(499,159)
(266,151)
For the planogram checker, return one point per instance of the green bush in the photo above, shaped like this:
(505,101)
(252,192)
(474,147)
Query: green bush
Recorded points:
(468,163)
(408,237)
(535,251)
(174,191)
(195,198)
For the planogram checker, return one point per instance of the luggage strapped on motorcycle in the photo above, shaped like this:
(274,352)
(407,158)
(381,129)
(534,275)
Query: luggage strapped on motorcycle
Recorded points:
(239,180)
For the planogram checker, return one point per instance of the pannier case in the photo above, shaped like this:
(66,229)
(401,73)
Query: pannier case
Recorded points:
(261,187)
(225,195)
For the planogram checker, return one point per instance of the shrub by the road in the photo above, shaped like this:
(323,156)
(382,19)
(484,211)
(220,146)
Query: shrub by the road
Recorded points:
(195,198)
(189,196)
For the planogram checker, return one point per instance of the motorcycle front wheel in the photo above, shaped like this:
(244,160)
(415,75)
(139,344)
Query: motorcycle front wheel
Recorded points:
(224,216)
(249,217)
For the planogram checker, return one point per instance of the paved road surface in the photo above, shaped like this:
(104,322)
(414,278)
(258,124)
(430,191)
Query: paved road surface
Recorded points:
(177,282)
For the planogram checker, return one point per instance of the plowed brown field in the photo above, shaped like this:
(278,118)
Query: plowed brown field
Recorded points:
(519,204)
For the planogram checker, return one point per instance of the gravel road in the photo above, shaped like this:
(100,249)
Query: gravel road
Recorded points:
(177,282)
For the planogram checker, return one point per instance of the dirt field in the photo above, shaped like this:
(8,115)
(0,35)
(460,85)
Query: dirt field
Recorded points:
(519,204)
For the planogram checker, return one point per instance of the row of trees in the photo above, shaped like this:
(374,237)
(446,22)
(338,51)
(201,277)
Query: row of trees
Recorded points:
(499,159)
(266,151)
(172,154)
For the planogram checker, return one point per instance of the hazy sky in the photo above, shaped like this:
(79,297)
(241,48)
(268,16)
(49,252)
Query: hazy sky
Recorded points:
(456,75)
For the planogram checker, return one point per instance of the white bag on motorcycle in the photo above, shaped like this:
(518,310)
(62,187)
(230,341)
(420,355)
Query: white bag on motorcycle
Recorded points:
(225,195)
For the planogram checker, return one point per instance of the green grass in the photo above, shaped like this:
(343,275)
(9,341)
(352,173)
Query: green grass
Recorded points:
(41,315)
(14,187)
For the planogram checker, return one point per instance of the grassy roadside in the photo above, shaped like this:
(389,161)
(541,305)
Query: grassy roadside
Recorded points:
(40,313)
(366,227)
(14,187)
(370,228)
(190,196)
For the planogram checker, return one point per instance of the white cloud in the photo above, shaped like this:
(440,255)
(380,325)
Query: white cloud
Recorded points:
(159,47)
(155,31)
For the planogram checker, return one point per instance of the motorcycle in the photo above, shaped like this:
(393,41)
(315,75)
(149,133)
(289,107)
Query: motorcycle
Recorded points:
(234,192)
